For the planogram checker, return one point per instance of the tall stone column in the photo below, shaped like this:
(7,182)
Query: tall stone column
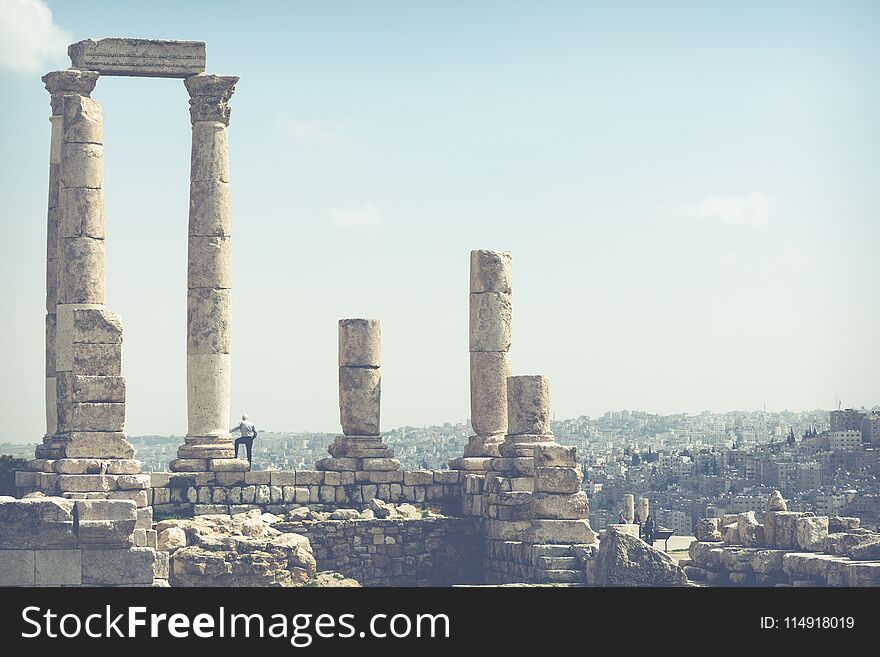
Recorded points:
(58,83)
(629,512)
(80,256)
(490,337)
(360,449)
(209,281)
(644,509)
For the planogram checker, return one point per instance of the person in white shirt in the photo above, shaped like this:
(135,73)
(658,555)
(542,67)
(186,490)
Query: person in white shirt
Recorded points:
(248,433)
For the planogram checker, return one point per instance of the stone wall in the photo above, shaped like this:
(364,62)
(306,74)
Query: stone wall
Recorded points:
(277,491)
(50,541)
(396,552)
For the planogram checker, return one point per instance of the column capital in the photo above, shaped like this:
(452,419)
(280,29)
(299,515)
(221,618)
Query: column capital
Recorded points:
(70,81)
(209,97)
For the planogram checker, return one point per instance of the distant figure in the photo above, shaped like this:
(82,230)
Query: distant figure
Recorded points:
(621,520)
(649,530)
(638,521)
(248,433)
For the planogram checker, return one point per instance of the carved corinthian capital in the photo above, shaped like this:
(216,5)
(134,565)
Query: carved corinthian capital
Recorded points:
(209,97)
(70,81)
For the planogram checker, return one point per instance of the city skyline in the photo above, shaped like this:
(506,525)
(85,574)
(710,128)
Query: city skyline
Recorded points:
(688,198)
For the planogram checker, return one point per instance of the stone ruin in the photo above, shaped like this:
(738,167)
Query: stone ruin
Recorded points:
(510,510)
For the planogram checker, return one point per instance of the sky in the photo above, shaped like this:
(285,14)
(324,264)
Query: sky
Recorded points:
(689,190)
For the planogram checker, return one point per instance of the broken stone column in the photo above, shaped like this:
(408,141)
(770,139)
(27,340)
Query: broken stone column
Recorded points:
(644,509)
(209,282)
(360,449)
(629,508)
(58,84)
(490,337)
(559,507)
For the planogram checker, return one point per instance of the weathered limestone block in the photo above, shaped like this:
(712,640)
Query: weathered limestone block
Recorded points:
(624,560)
(777,503)
(359,343)
(99,445)
(209,209)
(750,531)
(557,480)
(97,360)
(489,372)
(209,326)
(96,326)
(810,533)
(16,567)
(708,529)
(560,531)
(730,533)
(105,567)
(863,574)
(81,274)
(80,466)
(780,529)
(98,416)
(133,482)
(64,333)
(82,212)
(58,568)
(139,497)
(842,524)
(139,57)
(99,388)
(86,483)
(561,507)
(210,146)
(491,271)
(209,262)
(528,405)
(38,522)
(83,121)
(555,456)
(490,321)
(484,445)
(82,164)
(224,463)
(123,466)
(171,539)
(359,400)
(369,465)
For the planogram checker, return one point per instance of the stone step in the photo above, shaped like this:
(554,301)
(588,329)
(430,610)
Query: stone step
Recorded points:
(557,563)
(554,576)
(550,550)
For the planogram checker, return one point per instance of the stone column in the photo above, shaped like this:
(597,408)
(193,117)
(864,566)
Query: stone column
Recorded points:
(80,261)
(629,508)
(490,336)
(209,281)
(58,83)
(644,509)
(360,449)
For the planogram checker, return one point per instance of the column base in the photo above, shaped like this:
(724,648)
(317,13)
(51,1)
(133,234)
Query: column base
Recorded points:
(368,447)
(471,463)
(206,447)
(483,445)
(523,445)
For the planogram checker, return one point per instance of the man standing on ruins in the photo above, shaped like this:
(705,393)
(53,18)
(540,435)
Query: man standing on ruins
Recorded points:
(248,433)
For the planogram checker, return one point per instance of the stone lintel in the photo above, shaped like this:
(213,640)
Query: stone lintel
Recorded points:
(139,57)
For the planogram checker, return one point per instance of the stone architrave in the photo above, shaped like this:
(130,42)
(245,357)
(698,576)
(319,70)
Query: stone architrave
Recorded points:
(489,342)
(139,57)
(209,280)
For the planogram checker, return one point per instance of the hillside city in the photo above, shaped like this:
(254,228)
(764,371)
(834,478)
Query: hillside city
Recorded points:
(689,466)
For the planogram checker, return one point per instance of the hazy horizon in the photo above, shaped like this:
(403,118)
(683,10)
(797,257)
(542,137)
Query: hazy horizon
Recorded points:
(689,193)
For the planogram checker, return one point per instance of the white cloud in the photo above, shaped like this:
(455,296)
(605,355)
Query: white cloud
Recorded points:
(747,211)
(357,216)
(29,40)
(310,130)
